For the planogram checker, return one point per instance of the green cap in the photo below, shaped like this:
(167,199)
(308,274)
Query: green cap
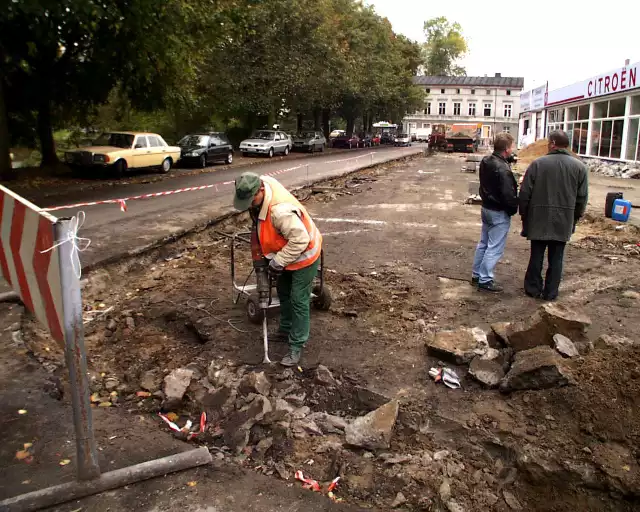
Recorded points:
(247,185)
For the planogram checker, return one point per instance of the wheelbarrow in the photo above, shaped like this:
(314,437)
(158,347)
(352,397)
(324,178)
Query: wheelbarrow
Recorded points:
(320,294)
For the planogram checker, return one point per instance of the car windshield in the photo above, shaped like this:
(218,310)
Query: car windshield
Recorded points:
(263,135)
(195,140)
(118,140)
(307,135)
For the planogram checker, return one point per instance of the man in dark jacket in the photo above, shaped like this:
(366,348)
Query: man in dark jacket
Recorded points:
(499,192)
(553,197)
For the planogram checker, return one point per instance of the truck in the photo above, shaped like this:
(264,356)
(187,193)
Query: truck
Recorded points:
(463,137)
(437,140)
(422,134)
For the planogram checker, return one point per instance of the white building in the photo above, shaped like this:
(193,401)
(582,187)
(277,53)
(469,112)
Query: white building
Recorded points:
(601,114)
(490,102)
(532,121)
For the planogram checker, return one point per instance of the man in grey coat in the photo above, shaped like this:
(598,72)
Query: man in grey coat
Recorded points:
(552,199)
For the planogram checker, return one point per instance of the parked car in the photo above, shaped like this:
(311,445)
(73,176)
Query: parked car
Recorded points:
(387,138)
(403,139)
(120,151)
(309,141)
(267,142)
(203,149)
(336,133)
(366,141)
(344,141)
(375,140)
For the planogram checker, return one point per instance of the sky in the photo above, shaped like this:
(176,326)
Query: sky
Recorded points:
(558,41)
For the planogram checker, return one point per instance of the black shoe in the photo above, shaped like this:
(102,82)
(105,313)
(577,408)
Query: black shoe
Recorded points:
(491,286)
(547,298)
(475,281)
(533,295)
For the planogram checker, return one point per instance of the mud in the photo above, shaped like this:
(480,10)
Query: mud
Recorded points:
(399,245)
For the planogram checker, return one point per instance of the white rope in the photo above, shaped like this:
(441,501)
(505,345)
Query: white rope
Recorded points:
(78,244)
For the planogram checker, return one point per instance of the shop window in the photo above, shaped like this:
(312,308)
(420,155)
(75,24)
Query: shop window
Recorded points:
(633,142)
(605,139)
(573,114)
(616,138)
(635,105)
(578,136)
(583,112)
(601,109)
(596,127)
(616,107)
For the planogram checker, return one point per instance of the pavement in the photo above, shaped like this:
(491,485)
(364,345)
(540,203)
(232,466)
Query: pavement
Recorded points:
(146,221)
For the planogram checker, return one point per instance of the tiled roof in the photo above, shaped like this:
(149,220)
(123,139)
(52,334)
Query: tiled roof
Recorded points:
(479,81)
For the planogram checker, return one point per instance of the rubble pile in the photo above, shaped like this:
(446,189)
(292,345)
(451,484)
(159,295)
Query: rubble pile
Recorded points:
(527,354)
(622,170)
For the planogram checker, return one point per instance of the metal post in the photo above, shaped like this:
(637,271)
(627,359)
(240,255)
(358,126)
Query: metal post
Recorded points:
(75,356)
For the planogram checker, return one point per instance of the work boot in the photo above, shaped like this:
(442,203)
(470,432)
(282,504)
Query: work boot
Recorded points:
(475,281)
(491,286)
(292,358)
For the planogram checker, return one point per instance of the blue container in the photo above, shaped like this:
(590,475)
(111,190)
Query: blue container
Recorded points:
(621,210)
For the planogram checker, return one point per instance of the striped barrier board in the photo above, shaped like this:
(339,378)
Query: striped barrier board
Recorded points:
(26,261)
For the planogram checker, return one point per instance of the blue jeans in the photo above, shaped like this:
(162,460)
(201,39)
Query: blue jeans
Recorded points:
(495,228)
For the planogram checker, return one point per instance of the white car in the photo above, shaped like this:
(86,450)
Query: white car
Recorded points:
(403,140)
(267,142)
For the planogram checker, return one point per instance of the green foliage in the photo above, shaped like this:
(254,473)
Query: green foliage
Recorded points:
(189,65)
(445,45)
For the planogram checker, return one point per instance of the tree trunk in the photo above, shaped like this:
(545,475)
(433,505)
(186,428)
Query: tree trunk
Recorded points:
(326,120)
(45,134)
(365,122)
(300,121)
(317,119)
(350,125)
(6,171)
(271,120)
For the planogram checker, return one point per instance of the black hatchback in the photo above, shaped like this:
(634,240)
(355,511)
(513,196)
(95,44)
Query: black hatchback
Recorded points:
(202,149)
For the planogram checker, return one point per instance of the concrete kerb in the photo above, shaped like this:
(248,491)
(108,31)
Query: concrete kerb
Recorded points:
(196,228)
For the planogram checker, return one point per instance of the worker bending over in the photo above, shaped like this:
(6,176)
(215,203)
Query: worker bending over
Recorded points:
(291,242)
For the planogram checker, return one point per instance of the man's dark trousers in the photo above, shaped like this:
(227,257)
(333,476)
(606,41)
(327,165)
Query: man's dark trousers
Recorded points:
(533,284)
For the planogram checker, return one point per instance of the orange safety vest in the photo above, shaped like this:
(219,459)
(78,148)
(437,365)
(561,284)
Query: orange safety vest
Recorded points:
(272,242)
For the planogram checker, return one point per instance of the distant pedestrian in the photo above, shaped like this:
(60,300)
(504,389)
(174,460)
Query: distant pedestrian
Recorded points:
(499,192)
(553,197)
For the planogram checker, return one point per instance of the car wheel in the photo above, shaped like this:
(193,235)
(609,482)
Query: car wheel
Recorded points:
(286,151)
(270,152)
(203,161)
(119,169)
(166,166)
(229,159)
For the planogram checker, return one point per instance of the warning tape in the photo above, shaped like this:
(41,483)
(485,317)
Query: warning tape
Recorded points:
(123,200)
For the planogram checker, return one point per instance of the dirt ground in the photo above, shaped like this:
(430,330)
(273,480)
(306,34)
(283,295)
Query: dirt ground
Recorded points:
(398,248)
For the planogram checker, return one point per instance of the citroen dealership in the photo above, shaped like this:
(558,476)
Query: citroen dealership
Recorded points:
(601,115)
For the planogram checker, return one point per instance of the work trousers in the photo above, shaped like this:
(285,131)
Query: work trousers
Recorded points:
(533,283)
(294,291)
(493,239)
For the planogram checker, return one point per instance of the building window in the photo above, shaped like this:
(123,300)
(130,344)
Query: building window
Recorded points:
(487,110)
(507,110)
(425,125)
(633,139)
(457,91)
(508,92)
(442,91)
(577,133)
(428,90)
(473,91)
(427,111)
(556,116)
(472,109)
(506,129)
(489,92)
(442,108)
(456,109)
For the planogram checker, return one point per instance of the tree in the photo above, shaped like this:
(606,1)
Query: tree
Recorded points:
(445,45)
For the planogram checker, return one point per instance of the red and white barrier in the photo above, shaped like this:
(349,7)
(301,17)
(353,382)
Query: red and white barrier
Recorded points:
(27,263)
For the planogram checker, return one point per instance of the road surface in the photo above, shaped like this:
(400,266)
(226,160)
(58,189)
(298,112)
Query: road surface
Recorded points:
(113,232)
